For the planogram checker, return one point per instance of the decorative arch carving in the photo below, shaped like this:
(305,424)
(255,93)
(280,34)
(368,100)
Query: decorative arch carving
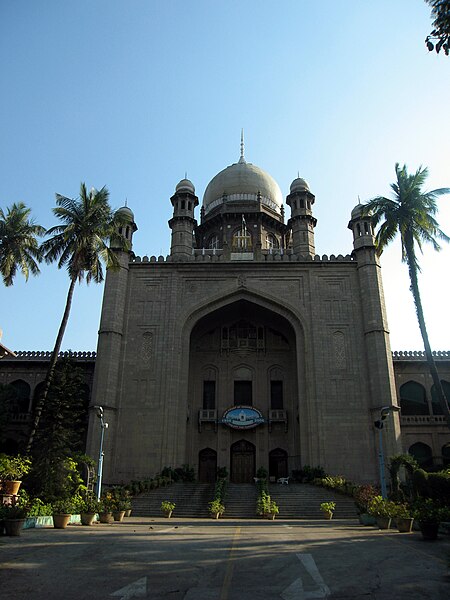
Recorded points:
(413,399)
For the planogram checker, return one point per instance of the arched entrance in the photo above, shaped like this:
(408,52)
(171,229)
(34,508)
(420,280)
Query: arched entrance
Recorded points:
(207,465)
(278,463)
(242,462)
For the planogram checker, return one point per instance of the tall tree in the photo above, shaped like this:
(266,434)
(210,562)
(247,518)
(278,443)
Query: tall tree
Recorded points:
(19,247)
(410,213)
(440,12)
(81,245)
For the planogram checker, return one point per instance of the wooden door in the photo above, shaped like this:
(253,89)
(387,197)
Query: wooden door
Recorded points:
(242,462)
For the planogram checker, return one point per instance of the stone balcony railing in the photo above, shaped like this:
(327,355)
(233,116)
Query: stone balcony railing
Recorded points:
(422,420)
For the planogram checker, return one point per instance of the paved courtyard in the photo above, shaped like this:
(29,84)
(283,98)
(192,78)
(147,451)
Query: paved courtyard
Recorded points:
(223,560)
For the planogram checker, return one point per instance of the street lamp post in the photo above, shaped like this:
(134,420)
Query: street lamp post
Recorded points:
(384,412)
(101,454)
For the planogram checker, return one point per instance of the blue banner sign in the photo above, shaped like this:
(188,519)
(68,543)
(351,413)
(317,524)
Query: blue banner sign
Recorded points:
(242,417)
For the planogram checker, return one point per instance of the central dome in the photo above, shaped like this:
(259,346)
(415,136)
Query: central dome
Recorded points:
(242,181)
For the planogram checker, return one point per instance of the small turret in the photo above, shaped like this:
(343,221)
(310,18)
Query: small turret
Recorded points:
(130,227)
(361,225)
(183,222)
(302,222)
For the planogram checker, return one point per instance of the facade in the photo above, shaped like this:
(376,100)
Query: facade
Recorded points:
(246,348)
(244,313)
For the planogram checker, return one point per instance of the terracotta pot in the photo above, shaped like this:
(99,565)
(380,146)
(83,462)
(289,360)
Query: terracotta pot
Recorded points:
(118,515)
(384,522)
(168,514)
(87,518)
(404,525)
(327,515)
(61,521)
(128,513)
(13,527)
(11,487)
(106,517)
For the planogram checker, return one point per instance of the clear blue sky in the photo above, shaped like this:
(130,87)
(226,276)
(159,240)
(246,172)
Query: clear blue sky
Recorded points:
(131,94)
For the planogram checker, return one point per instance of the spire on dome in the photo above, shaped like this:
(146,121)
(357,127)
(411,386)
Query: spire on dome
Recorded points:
(241,158)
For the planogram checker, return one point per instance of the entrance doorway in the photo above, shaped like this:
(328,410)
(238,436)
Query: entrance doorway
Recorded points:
(242,462)
(207,465)
(278,463)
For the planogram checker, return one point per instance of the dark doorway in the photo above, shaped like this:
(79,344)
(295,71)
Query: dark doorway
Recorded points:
(278,463)
(207,465)
(242,462)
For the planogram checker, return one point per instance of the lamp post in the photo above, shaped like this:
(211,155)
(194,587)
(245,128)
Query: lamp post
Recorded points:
(101,454)
(384,412)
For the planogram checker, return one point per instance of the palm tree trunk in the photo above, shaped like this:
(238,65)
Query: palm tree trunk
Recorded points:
(51,368)
(423,330)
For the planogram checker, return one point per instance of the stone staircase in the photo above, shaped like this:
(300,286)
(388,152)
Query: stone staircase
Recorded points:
(302,501)
(295,501)
(191,500)
(240,501)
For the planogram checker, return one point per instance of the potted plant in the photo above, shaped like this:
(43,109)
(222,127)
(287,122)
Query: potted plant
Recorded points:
(12,469)
(106,507)
(403,518)
(383,510)
(62,511)
(89,507)
(14,516)
(362,495)
(273,510)
(429,515)
(216,508)
(328,509)
(261,473)
(263,504)
(167,508)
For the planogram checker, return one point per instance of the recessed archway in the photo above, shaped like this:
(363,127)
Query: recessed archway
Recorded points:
(242,461)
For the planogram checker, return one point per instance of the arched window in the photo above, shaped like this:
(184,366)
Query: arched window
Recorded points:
(422,453)
(242,240)
(413,399)
(22,402)
(37,392)
(271,241)
(435,404)
(213,242)
(446,455)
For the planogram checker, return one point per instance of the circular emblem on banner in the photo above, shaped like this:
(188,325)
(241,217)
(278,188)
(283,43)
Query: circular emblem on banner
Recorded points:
(242,417)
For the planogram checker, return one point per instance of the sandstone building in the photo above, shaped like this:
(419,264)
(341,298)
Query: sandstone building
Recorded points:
(246,348)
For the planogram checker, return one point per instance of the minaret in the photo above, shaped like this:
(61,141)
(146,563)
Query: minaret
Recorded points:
(183,223)
(381,382)
(109,346)
(302,221)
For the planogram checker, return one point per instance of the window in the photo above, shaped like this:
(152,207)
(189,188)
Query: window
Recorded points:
(276,395)
(413,399)
(435,404)
(422,453)
(209,395)
(271,241)
(242,240)
(243,393)
(213,242)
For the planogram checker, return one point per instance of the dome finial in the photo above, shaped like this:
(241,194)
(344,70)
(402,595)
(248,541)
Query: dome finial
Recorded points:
(241,158)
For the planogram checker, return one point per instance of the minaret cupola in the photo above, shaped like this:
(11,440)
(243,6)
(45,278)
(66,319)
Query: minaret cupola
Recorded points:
(129,227)
(302,222)
(361,226)
(183,222)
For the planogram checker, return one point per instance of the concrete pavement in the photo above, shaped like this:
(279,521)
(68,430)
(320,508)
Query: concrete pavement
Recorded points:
(223,560)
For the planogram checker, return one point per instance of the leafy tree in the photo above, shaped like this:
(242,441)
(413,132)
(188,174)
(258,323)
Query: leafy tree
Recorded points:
(80,244)
(61,434)
(410,213)
(440,12)
(19,248)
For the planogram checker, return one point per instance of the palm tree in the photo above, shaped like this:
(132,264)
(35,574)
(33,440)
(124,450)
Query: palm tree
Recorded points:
(410,212)
(19,248)
(80,244)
